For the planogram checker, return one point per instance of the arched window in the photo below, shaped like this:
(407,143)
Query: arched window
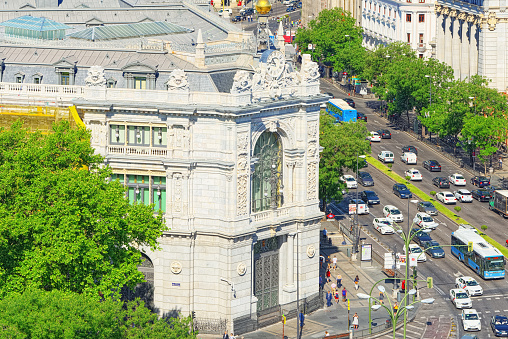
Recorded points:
(267,177)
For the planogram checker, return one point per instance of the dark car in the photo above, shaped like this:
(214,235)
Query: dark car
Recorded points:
(480,181)
(434,249)
(441,182)
(290,9)
(330,94)
(361,116)
(481,195)
(427,207)
(248,11)
(365,179)
(491,188)
(420,237)
(350,102)
(499,324)
(411,149)
(384,133)
(432,165)
(402,191)
(299,5)
(237,18)
(370,197)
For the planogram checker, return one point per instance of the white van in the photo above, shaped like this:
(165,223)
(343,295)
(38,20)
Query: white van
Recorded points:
(408,158)
(385,156)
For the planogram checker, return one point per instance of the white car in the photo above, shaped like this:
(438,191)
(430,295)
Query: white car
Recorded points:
(385,156)
(229,10)
(383,225)
(374,136)
(349,180)
(460,298)
(446,197)
(469,284)
(414,174)
(409,158)
(471,320)
(415,249)
(457,179)
(392,212)
(463,195)
(423,220)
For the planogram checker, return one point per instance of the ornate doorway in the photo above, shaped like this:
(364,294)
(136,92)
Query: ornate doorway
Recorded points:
(266,277)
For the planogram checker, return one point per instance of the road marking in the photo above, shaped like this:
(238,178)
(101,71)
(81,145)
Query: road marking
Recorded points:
(498,298)
(440,291)
(489,298)
(487,311)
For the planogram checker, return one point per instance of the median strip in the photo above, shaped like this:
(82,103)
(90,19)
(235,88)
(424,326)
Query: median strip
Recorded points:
(422,195)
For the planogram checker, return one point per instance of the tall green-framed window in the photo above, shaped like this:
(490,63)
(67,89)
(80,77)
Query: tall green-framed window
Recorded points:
(138,135)
(117,134)
(138,189)
(159,193)
(267,177)
(144,189)
(65,78)
(159,136)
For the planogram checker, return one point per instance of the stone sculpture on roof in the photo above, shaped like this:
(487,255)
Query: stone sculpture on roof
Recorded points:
(310,70)
(241,82)
(178,81)
(95,77)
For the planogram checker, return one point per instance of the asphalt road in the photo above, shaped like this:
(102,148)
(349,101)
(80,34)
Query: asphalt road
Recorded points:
(495,298)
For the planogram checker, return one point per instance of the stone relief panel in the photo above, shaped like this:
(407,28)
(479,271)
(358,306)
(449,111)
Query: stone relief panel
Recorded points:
(242,168)
(241,82)
(312,141)
(99,133)
(95,77)
(312,181)
(179,137)
(177,193)
(177,81)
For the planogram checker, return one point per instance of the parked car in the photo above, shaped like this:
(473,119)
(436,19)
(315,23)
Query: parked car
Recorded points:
(499,325)
(229,10)
(330,94)
(469,284)
(248,11)
(460,298)
(237,18)
(370,197)
(471,321)
(402,191)
(290,9)
(350,102)
(463,195)
(426,207)
(441,182)
(413,174)
(480,181)
(410,149)
(384,133)
(349,180)
(423,220)
(392,212)
(481,195)
(361,116)
(457,179)
(374,137)
(415,249)
(420,237)
(383,225)
(433,249)
(365,179)
(385,156)
(432,165)
(409,158)
(446,197)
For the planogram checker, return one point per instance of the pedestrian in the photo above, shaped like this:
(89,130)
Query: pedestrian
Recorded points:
(320,282)
(327,334)
(357,282)
(325,233)
(301,317)
(328,299)
(381,297)
(328,274)
(334,260)
(344,294)
(355,321)
(403,285)
(339,281)
(232,336)
(225,336)
(500,163)
(321,261)
(395,308)
(337,296)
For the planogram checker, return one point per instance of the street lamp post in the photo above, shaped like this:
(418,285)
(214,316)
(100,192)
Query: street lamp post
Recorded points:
(406,244)
(357,229)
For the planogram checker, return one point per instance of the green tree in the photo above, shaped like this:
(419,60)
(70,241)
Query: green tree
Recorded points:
(62,226)
(341,144)
(58,314)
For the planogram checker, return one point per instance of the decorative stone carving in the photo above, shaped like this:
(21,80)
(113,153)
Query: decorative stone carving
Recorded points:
(272,126)
(241,82)
(438,8)
(242,169)
(176,267)
(310,70)
(241,269)
(461,16)
(311,251)
(453,13)
(177,81)
(177,196)
(492,21)
(445,10)
(312,181)
(95,77)
(470,18)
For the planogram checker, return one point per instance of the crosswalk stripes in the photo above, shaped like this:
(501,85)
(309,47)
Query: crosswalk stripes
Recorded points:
(413,331)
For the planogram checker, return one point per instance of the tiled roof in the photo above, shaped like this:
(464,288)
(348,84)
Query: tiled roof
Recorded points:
(34,24)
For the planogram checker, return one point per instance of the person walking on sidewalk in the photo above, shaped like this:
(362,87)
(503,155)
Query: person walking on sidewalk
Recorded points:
(395,308)
(339,281)
(225,336)
(328,274)
(381,297)
(500,163)
(334,261)
(357,282)
(344,294)
(321,261)
(328,299)
(355,321)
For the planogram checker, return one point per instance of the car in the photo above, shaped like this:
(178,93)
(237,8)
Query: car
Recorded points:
(370,197)
(423,220)
(287,2)
(290,9)
(457,179)
(385,156)
(409,149)
(383,225)
(229,10)
(362,206)
(463,195)
(499,325)
(247,11)
(420,237)
(469,284)
(237,18)
(409,158)
(469,336)
(299,5)
(441,182)
(350,102)
(374,137)
(446,197)
(481,195)
(361,116)
(492,188)
(415,249)
(365,179)
(471,320)
(434,249)
(460,298)
(384,133)
(480,181)
(330,94)
(432,165)
(402,191)
(426,207)
(392,212)
(349,180)
(413,174)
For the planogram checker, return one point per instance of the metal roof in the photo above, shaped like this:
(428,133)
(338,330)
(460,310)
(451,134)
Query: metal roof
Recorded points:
(34,24)
(124,31)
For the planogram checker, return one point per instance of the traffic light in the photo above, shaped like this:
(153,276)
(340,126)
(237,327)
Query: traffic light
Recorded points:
(470,246)
(283,319)
(430,282)
(193,315)
(415,273)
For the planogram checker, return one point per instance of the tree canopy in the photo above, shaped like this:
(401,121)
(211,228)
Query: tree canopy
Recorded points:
(63,224)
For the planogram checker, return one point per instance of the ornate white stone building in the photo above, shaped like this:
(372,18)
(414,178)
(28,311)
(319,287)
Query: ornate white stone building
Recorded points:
(311,8)
(223,140)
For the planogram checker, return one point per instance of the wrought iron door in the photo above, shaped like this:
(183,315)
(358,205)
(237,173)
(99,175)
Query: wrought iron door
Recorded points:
(266,279)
